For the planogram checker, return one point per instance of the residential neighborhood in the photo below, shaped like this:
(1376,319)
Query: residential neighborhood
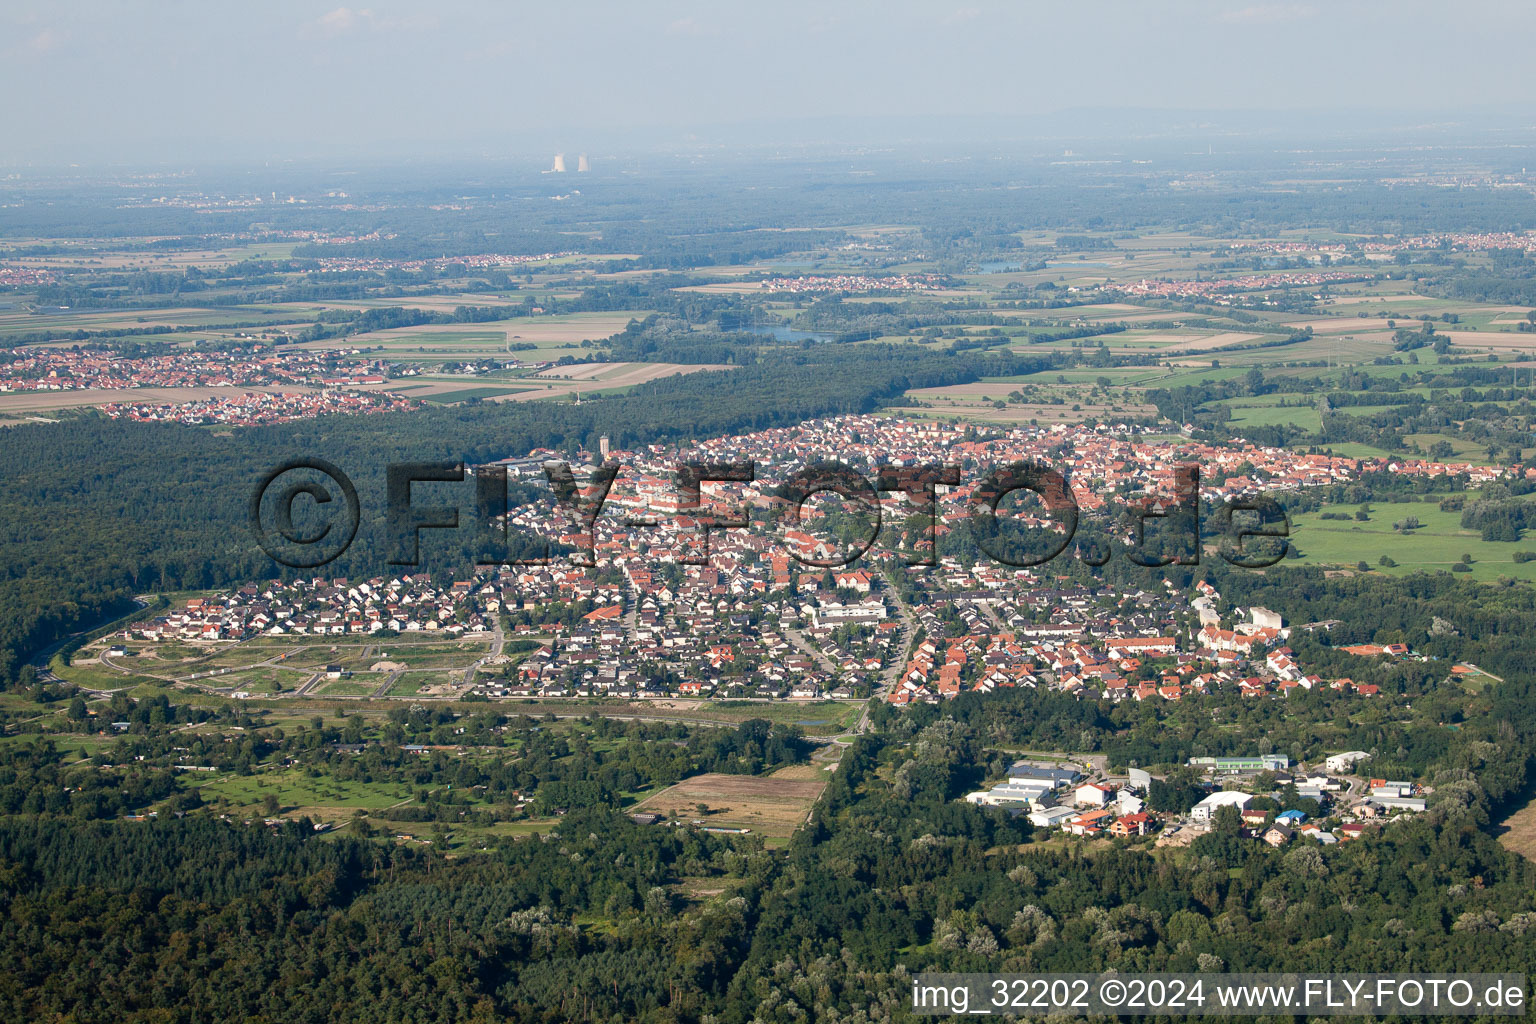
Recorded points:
(740,594)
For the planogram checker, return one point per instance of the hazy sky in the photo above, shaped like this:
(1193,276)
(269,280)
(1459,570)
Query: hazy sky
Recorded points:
(132,80)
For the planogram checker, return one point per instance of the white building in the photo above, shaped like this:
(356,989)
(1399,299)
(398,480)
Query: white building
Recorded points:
(1091,794)
(1012,792)
(1205,810)
(1263,618)
(1206,609)
(1346,761)
(1051,817)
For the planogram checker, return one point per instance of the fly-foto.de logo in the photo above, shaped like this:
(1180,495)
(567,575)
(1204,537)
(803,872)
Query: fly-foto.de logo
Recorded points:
(306,513)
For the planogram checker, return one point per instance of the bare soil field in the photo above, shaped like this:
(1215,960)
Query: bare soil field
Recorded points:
(583,371)
(802,772)
(1517,833)
(773,805)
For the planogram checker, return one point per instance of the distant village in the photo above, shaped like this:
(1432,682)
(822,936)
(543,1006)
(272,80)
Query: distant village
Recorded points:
(57,368)
(253,408)
(208,384)
(853,284)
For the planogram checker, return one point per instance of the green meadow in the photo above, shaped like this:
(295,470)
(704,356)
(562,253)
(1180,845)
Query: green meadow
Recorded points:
(1436,545)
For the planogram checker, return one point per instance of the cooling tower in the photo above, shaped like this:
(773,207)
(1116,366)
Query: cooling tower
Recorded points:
(559,167)
(582,165)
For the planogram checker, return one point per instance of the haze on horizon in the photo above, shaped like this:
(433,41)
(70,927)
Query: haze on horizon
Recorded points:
(103,81)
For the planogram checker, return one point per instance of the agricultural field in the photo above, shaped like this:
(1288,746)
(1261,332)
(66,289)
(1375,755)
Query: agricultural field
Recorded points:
(601,378)
(21,322)
(1162,343)
(550,336)
(527,384)
(988,400)
(448,395)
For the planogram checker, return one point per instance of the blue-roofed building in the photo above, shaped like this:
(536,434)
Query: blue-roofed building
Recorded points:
(1291,818)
